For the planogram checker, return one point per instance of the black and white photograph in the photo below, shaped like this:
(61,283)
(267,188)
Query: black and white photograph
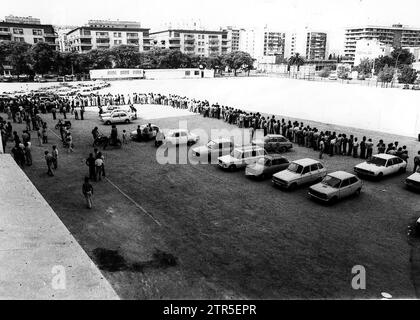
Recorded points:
(224,151)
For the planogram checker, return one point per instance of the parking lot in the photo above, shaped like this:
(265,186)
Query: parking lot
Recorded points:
(195,231)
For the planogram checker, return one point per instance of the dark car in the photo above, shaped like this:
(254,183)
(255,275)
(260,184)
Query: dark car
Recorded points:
(267,166)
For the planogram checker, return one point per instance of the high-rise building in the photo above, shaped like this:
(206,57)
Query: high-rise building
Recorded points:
(104,34)
(247,39)
(396,36)
(29,30)
(370,49)
(200,42)
(316,45)
(274,43)
(233,37)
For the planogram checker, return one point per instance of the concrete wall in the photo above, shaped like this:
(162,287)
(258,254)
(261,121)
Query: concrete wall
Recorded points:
(37,252)
(116,74)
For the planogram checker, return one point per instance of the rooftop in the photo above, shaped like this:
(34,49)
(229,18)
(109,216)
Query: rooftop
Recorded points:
(341,175)
(305,162)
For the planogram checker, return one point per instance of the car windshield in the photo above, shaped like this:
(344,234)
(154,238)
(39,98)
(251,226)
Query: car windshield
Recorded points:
(377,161)
(294,167)
(211,144)
(263,161)
(331,181)
(236,154)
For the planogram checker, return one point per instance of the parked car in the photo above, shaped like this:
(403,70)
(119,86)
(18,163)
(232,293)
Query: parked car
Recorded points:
(416,87)
(333,76)
(267,166)
(110,113)
(151,135)
(180,136)
(413,181)
(406,87)
(241,157)
(381,165)
(335,186)
(274,143)
(214,149)
(299,172)
(118,117)
(110,108)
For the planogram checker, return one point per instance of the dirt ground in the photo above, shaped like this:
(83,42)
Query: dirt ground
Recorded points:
(197,232)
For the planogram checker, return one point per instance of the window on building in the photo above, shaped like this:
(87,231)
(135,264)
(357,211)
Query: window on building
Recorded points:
(187,73)
(196,73)
(86,32)
(176,34)
(37,32)
(17,30)
(4,29)
(18,39)
(117,34)
(116,42)
(36,40)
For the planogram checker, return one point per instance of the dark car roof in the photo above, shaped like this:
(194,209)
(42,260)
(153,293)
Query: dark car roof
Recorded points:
(272,156)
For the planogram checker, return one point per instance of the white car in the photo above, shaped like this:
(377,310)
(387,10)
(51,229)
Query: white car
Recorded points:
(110,113)
(299,172)
(180,136)
(335,186)
(118,117)
(110,108)
(214,149)
(381,165)
(413,181)
(241,157)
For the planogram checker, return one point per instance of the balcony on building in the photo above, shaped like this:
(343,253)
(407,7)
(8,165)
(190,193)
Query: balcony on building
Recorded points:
(133,36)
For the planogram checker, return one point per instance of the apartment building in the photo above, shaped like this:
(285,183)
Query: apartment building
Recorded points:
(105,34)
(396,36)
(28,30)
(247,41)
(274,43)
(200,42)
(316,46)
(233,37)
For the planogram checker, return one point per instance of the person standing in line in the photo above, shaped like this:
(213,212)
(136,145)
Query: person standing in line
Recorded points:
(82,112)
(55,157)
(363,148)
(417,161)
(69,141)
(355,148)
(381,146)
(369,149)
(49,160)
(87,191)
(350,143)
(321,147)
(125,137)
(44,135)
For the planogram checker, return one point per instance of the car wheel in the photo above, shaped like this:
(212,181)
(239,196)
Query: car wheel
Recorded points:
(262,176)
(358,192)
(293,186)
(283,149)
(108,123)
(127,121)
(402,169)
(380,175)
(333,200)
(232,167)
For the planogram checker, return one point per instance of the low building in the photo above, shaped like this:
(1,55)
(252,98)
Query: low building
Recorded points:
(204,43)
(100,34)
(370,49)
(28,30)
(151,74)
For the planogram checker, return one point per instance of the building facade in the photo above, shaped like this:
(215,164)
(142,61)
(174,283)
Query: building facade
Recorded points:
(28,30)
(233,37)
(396,36)
(316,45)
(370,49)
(274,43)
(99,34)
(247,40)
(200,42)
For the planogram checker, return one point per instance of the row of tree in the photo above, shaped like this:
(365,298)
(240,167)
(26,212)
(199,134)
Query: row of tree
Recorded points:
(41,58)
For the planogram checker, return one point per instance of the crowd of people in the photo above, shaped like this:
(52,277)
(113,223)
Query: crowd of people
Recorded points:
(28,109)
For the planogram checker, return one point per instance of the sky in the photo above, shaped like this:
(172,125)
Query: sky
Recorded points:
(331,16)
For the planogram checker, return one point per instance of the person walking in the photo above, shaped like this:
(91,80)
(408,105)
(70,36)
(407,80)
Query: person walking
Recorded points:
(98,167)
(87,191)
(55,157)
(44,135)
(363,148)
(321,147)
(69,141)
(49,160)
(28,153)
(90,162)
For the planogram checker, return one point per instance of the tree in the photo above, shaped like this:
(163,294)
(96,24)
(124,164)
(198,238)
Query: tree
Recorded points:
(43,58)
(103,59)
(325,72)
(386,74)
(365,67)
(342,72)
(407,75)
(398,58)
(123,56)
(19,57)
(238,60)
(296,60)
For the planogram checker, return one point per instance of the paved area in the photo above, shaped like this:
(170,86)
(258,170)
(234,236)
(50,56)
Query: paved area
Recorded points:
(40,259)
